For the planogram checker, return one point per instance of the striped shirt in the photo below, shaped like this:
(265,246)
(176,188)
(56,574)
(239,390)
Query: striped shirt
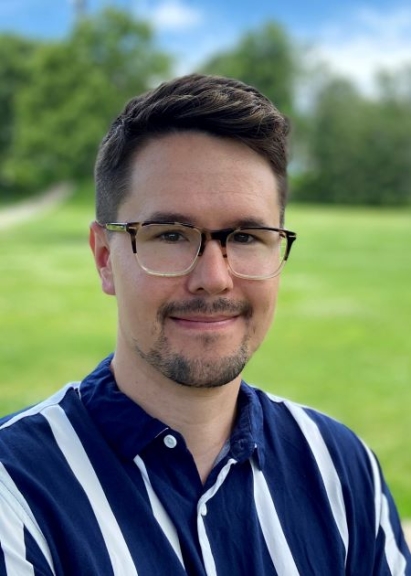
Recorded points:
(91,485)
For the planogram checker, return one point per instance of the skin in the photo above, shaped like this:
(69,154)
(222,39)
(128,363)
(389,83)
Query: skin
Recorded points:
(182,342)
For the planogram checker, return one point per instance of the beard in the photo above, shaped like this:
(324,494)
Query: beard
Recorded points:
(202,371)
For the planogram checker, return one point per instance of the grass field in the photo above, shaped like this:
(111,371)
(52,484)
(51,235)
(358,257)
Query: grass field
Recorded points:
(341,341)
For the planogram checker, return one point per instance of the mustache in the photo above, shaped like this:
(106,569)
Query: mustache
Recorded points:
(199,305)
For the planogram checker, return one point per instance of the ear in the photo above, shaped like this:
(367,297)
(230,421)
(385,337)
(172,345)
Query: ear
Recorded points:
(101,251)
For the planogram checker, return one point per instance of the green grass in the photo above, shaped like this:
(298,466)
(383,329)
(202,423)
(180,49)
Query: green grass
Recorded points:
(341,341)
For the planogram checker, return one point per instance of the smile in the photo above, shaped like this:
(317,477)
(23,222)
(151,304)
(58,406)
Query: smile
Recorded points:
(204,322)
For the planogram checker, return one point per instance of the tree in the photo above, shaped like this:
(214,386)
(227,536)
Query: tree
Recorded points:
(359,148)
(77,87)
(265,59)
(15,53)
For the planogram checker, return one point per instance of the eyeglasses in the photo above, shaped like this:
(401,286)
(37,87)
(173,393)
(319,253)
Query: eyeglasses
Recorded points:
(172,248)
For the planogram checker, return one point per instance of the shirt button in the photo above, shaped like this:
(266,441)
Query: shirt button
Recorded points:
(170,441)
(203,510)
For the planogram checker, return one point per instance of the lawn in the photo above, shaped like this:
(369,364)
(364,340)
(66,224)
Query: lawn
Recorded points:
(341,341)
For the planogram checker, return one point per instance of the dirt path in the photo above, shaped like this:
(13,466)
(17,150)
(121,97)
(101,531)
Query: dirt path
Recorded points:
(39,205)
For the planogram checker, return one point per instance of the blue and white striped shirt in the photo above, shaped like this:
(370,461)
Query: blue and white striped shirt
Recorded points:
(91,485)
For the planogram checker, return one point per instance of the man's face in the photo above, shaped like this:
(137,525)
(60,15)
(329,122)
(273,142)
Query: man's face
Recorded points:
(200,329)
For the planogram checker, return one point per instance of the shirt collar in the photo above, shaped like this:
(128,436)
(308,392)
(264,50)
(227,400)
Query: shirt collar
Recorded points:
(247,438)
(128,429)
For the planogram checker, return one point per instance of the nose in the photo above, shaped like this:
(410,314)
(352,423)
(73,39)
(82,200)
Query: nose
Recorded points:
(211,273)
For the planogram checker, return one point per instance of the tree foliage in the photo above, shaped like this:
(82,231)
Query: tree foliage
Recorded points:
(359,148)
(264,58)
(348,149)
(75,88)
(15,53)
(58,98)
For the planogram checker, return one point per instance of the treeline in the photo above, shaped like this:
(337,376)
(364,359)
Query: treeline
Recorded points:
(58,98)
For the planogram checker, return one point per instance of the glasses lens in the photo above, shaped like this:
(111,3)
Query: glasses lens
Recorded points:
(168,249)
(254,253)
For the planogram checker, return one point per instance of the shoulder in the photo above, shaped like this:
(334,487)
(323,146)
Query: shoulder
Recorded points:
(325,458)
(333,445)
(28,429)
(315,425)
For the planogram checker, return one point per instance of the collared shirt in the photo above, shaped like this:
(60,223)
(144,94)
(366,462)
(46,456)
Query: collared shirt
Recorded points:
(91,485)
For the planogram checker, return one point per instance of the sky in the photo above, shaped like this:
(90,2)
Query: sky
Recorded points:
(353,37)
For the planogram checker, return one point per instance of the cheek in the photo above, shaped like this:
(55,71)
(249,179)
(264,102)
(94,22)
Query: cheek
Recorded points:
(139,297)
(131,288)
(264,306)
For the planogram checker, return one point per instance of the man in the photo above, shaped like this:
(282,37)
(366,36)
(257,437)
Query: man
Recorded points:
(162,461)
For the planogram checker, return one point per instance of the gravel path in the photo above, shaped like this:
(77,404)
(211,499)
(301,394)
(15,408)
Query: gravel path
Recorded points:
(39,205)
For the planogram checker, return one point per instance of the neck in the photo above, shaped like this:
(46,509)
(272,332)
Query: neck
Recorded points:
(203,416)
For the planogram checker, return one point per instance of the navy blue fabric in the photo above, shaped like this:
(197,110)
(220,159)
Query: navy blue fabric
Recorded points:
(113,431)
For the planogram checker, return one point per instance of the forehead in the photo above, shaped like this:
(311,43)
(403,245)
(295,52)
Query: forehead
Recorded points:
(201,177)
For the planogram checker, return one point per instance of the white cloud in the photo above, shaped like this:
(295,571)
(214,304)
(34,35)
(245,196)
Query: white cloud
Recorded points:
(171,15)
(365,43)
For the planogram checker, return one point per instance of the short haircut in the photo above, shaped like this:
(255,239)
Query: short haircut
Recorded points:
(214,105)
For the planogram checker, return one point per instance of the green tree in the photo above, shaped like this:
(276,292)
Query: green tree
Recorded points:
(77,87)
(15,53)
(359,148)
(264,58)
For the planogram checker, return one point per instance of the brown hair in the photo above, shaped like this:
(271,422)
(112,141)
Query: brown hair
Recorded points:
(213,104)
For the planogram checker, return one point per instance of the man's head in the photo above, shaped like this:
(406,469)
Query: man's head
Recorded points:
(200,158)
(214,105)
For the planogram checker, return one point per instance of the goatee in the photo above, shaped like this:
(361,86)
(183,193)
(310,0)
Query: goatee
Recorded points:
(199,372)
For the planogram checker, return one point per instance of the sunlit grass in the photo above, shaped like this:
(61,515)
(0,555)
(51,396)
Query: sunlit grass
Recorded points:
(340,342)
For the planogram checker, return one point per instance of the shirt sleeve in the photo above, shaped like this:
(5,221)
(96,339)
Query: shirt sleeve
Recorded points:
(392,557)
(23,550)
(376,544)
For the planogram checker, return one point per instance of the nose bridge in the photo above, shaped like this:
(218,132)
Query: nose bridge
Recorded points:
(219,235)
(211,273)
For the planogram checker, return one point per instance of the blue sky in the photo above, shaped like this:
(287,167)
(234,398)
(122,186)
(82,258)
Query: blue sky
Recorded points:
(355,38)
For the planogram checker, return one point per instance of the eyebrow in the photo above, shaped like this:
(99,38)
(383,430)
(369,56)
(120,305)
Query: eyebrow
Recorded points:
(161,216)
(169,217)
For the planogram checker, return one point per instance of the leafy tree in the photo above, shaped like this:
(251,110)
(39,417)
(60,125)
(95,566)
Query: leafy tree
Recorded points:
(264,58)
(15,53)
(359,149)
(77,87)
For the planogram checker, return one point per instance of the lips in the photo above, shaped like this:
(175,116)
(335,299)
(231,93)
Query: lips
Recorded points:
(203,319)
(204,323)
(203,311)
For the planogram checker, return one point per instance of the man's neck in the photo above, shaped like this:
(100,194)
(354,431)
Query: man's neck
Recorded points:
(203,416)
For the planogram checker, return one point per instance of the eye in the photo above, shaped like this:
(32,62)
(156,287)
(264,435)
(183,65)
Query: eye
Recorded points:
(171,236)
(244,238)
(166,233)
(256,238)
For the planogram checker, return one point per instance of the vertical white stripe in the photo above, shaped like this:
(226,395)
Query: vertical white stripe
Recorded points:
(271,528)
(12,543)
(159,511)
(208,558)
(395,559)
(377,488)
(72,449)
(15,499)
(327,469)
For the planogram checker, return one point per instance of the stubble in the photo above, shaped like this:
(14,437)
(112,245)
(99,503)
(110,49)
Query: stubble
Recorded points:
(202,371)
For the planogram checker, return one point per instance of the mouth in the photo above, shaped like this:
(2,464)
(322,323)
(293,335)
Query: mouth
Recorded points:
(197,322)
(198,310)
